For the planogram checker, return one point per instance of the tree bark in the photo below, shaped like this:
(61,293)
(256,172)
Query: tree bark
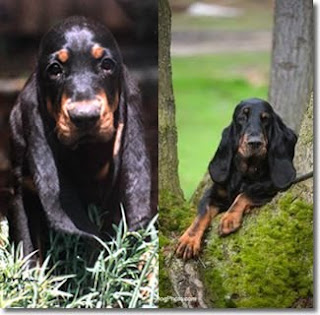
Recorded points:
(182,280)
(168,158)
(303,159)
(292,59)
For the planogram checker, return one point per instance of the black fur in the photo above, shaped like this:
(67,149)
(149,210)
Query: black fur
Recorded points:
(63,174)
(259,175)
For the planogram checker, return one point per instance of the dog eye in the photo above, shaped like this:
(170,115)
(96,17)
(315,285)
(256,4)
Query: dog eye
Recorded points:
(246,112)
(243,116)
(108,65)
(54,70)
(264,117)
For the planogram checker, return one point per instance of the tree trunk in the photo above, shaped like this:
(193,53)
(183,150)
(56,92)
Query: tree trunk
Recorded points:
(303,159)
(176,279)
(292,59)
(168,159)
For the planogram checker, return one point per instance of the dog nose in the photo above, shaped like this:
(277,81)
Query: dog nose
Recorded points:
(84,115)
(255,142)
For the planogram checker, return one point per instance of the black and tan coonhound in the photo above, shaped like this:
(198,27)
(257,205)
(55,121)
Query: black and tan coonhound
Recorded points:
(252,163)
(77,138)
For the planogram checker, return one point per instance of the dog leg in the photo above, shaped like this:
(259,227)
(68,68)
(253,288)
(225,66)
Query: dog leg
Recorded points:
(190,242)
(231,220)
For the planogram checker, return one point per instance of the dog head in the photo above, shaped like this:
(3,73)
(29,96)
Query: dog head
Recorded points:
(79,73)
(257,132)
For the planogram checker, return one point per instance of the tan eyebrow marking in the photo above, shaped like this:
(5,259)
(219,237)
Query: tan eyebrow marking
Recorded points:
(97,51)
(246,110)
(265,115)
(63,55)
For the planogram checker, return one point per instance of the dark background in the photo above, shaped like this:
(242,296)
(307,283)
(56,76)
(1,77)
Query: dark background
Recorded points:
(22,24)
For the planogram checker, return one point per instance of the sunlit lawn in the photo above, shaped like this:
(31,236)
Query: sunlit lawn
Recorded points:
(207,88)
(254,15)
(248,21)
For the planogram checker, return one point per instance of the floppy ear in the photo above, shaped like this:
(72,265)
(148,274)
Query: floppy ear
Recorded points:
(124,92)
(129,101)
(219,167)
(281,152)
(133,161)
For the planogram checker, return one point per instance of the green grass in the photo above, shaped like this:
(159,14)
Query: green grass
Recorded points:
(120,273)
(207,88)
(256,15)
(250,20)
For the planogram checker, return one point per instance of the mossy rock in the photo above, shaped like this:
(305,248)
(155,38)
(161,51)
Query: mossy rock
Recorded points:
(268,263)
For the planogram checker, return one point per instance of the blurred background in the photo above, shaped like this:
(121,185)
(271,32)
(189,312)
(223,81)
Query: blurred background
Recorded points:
(134,25)
(221,54)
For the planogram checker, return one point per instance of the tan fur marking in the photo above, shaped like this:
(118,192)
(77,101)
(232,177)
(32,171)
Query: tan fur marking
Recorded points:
(106,107)
(190,242)
(104,129)
(231,220)
(117,141)
(65,129)
(245,151)
(107,119)
(63,55)
(97,51)
(242,149)
(265,115)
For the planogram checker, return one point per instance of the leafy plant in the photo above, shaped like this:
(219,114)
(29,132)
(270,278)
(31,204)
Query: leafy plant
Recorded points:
(122,272)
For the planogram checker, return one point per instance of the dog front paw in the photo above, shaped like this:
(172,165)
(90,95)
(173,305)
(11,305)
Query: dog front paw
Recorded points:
(188,246)
(229,223)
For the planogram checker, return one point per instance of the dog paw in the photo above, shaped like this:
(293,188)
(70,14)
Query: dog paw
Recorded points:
(188,246)
(229,223)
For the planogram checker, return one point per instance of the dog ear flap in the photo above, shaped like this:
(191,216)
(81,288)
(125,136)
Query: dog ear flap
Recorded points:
(281,152)
(121,118)
(129,95)
(135,165)
(219,167)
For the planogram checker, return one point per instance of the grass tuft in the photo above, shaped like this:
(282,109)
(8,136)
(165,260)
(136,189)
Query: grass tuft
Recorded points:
(77,273)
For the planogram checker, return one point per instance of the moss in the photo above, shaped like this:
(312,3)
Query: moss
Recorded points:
(165,288)
(174,217)
(268,263)
(306,133)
